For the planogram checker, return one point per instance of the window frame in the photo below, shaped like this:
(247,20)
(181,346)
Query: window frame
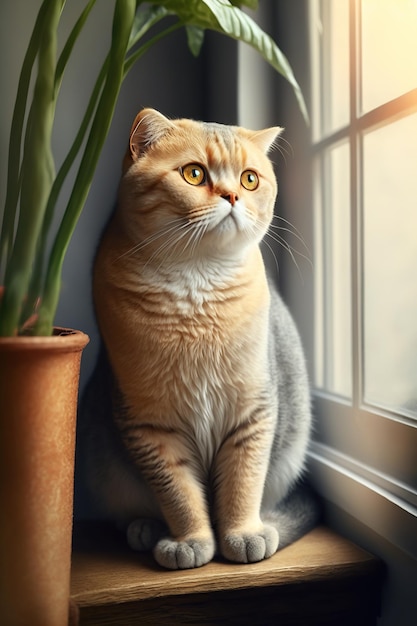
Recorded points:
(363,458)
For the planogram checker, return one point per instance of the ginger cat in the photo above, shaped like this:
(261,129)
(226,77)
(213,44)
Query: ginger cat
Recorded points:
(197,417)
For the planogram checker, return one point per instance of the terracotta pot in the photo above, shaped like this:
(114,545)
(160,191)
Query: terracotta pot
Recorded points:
(38,404)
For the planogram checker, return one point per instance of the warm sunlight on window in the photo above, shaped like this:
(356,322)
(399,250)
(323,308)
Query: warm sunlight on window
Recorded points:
(390,265)
(333,276)
(364,80)
(389,50)
(363,327)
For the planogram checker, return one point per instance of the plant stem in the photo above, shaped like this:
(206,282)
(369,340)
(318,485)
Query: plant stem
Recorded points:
(13,173)
(36,173)
(37,276)
(135,56)
(124,14)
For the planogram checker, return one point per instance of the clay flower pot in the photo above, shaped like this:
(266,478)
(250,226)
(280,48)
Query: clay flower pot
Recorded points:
(38,404)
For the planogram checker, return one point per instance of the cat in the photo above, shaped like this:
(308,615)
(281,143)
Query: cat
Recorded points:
(197,417)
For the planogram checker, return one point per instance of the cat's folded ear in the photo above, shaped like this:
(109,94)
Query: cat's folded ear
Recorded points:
(265,139)
(149,126)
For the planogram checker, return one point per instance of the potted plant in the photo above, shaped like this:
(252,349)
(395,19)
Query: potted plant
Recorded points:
(37,362)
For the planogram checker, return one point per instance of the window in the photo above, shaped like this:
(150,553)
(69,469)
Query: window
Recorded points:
(364,153)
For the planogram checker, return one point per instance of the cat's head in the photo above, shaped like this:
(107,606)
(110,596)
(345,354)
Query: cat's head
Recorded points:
(195,189)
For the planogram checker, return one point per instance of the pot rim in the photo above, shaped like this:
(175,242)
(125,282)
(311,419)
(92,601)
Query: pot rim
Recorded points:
(62,339)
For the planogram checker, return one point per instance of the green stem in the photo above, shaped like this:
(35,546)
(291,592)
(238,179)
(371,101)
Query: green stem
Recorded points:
(134,56)
(36,174)
(13,173)
(38,273)
(142,23)
(122,25)
(69,45)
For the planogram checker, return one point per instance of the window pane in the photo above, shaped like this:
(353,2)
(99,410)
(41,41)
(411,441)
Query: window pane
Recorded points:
(390,254)
(332,267)
(389,50)
(330,65)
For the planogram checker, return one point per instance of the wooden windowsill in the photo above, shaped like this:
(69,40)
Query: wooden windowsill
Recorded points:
(114,584)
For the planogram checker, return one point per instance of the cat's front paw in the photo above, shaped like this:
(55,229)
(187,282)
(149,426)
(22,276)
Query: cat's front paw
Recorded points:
(184,554)
(250,548)
(144,533)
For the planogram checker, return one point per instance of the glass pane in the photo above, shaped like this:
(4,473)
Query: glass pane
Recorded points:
(330,65)
(390,273)
(389,50)
(333,276)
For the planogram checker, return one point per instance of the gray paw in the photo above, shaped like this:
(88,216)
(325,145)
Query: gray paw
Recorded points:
(250,548)
(144,533)
(183,554)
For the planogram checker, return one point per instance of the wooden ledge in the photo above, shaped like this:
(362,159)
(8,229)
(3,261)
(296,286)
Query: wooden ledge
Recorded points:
(114,584)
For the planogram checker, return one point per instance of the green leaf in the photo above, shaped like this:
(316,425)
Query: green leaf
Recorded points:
(233,22)
(195,38)
(145,18)
(251,4)
(222,16)
(190,12)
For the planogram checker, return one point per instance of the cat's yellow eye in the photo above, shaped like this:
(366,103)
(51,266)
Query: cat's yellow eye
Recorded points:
(194,174)
(249,180)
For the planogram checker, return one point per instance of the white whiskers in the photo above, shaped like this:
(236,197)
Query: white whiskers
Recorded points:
(181,237)
(178,232)
(284,151)
(275,236)
(146,242)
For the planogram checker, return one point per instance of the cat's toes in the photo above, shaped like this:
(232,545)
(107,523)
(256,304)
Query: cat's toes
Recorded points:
(184,554)
(250,548)
(144,533)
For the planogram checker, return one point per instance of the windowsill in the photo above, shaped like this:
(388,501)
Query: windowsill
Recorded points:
(320,575)
(364,494)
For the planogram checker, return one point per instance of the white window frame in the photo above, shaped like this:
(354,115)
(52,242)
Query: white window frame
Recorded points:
(364,459)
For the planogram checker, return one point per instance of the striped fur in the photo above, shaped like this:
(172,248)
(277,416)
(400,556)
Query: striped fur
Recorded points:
(198,424)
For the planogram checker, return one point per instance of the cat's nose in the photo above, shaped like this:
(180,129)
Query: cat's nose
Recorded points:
(230,197)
